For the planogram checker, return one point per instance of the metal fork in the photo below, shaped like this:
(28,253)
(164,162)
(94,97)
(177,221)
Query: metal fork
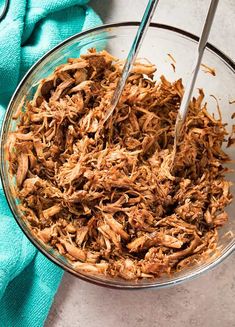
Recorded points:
(148,14)
(184,107)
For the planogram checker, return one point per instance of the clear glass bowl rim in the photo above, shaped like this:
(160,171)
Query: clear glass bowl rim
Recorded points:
(93,279)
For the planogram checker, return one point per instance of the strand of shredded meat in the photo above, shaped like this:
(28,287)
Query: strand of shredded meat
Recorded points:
(105,196)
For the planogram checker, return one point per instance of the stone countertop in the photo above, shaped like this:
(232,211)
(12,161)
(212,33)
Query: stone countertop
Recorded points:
(206,301)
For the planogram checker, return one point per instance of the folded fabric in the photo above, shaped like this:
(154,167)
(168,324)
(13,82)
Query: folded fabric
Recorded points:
(28,280)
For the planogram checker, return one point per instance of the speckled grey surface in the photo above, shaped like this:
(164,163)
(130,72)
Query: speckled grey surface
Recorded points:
(206,301)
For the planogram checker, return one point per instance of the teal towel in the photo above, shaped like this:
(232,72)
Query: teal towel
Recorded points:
(28,280)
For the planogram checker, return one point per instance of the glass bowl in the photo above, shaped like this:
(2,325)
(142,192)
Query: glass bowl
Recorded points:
(160,41)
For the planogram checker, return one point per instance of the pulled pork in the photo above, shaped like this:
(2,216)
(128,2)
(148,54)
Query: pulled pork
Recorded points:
(106,196)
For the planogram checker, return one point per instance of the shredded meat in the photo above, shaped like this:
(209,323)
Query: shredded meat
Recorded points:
(208,70)
(106,195)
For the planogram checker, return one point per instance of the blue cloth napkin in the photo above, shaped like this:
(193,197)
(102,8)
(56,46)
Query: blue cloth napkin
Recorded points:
(28,280)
